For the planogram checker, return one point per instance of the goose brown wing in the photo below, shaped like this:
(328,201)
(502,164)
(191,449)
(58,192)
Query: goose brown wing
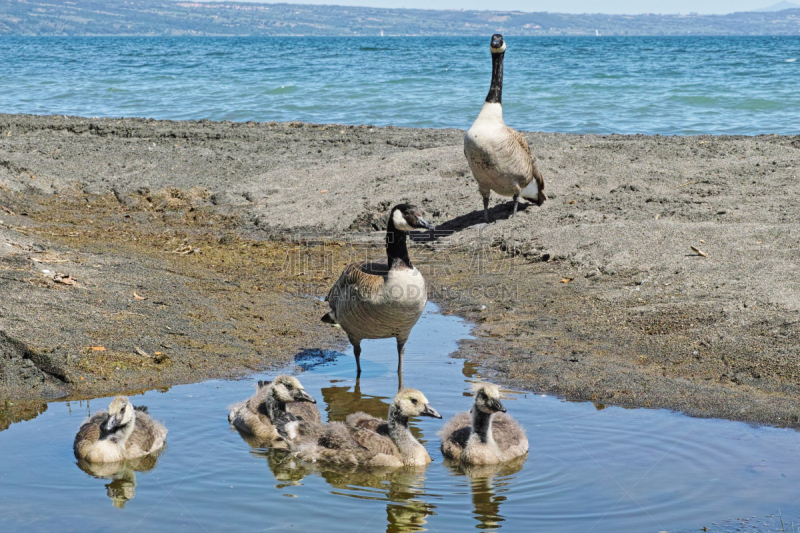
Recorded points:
(374,442)
(523,145)
(91,430)
(362,420)
(356,279)
(371,433)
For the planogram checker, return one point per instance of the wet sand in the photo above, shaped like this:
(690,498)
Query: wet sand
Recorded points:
(195,248)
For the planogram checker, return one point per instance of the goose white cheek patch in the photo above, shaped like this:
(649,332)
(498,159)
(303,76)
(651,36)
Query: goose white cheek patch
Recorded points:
(400,221)
(498,50)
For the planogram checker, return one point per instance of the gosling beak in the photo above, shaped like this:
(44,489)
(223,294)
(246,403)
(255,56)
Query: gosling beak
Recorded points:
(111,423)
(497,407)
(303,396)
(424,224)
(430,411)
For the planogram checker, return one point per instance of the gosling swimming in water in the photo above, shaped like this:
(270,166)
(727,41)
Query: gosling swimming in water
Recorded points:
(486,435)
(365,440)
(282,399)
(123,432)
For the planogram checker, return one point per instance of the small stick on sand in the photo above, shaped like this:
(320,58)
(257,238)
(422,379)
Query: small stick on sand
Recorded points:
(685,184)
(698,251)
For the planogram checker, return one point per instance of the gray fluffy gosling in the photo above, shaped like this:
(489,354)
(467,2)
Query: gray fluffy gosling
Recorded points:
(486,435)
(363,439)
(123,432)
(282,399)
(499,157)
(382,299)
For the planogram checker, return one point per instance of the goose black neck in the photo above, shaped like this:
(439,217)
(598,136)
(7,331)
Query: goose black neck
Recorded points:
(482,424)
(397,419)
(396,249)
(495,95)
(275,407)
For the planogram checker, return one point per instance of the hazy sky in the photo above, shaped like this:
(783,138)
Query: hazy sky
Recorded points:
(564,6)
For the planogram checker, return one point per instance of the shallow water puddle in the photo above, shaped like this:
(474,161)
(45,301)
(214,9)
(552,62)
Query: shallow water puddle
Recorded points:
(588,469)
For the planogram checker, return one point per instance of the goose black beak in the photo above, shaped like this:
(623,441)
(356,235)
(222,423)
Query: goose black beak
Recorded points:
(303,396)
(111,423)
(497,407)
(430,411)
(424,224)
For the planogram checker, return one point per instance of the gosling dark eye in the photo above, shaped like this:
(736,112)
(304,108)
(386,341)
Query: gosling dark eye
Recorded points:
(414,401)
(289,387)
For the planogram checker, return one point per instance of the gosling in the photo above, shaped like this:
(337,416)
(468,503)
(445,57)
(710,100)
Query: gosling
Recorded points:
(363,439)
(486,435)
(282,399)
(121,433)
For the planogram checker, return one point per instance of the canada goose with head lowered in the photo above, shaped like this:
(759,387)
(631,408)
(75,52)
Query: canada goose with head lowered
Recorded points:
(382,299)
(363,439)
(499,157)
(486,435)
(284,398)
(121,433)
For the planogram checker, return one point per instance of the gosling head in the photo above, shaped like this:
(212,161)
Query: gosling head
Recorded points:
(288,389)
(120,413)
(487,399)
(406,217)
(498,45)
(412,402)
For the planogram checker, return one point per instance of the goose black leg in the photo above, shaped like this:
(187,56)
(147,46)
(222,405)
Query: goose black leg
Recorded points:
(486,210)
(401,348)
(357,353)
(516,204)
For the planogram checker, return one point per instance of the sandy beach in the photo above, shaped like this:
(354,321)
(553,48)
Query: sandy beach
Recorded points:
(134,254)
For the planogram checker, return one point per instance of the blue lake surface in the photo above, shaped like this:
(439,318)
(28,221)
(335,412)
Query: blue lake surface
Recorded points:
(650,85)
(589,469)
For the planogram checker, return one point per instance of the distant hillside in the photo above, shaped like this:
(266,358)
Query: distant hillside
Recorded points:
(153,17)
(780,6)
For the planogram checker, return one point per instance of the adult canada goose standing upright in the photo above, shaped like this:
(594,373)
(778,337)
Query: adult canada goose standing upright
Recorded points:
(486,435)
(382,299)
(123,432)
(499,156)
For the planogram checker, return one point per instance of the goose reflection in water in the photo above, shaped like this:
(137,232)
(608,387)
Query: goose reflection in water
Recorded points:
(122,475)
(402,488)
(489,483)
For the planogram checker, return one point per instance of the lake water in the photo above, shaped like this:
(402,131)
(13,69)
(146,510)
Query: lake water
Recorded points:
(589,469)
(650,85)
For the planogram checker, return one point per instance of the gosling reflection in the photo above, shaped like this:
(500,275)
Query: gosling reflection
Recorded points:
(122,475)
(285,467)
(401,488)
(489,483)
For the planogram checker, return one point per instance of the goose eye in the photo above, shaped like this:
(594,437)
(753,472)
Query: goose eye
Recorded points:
(414,401)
